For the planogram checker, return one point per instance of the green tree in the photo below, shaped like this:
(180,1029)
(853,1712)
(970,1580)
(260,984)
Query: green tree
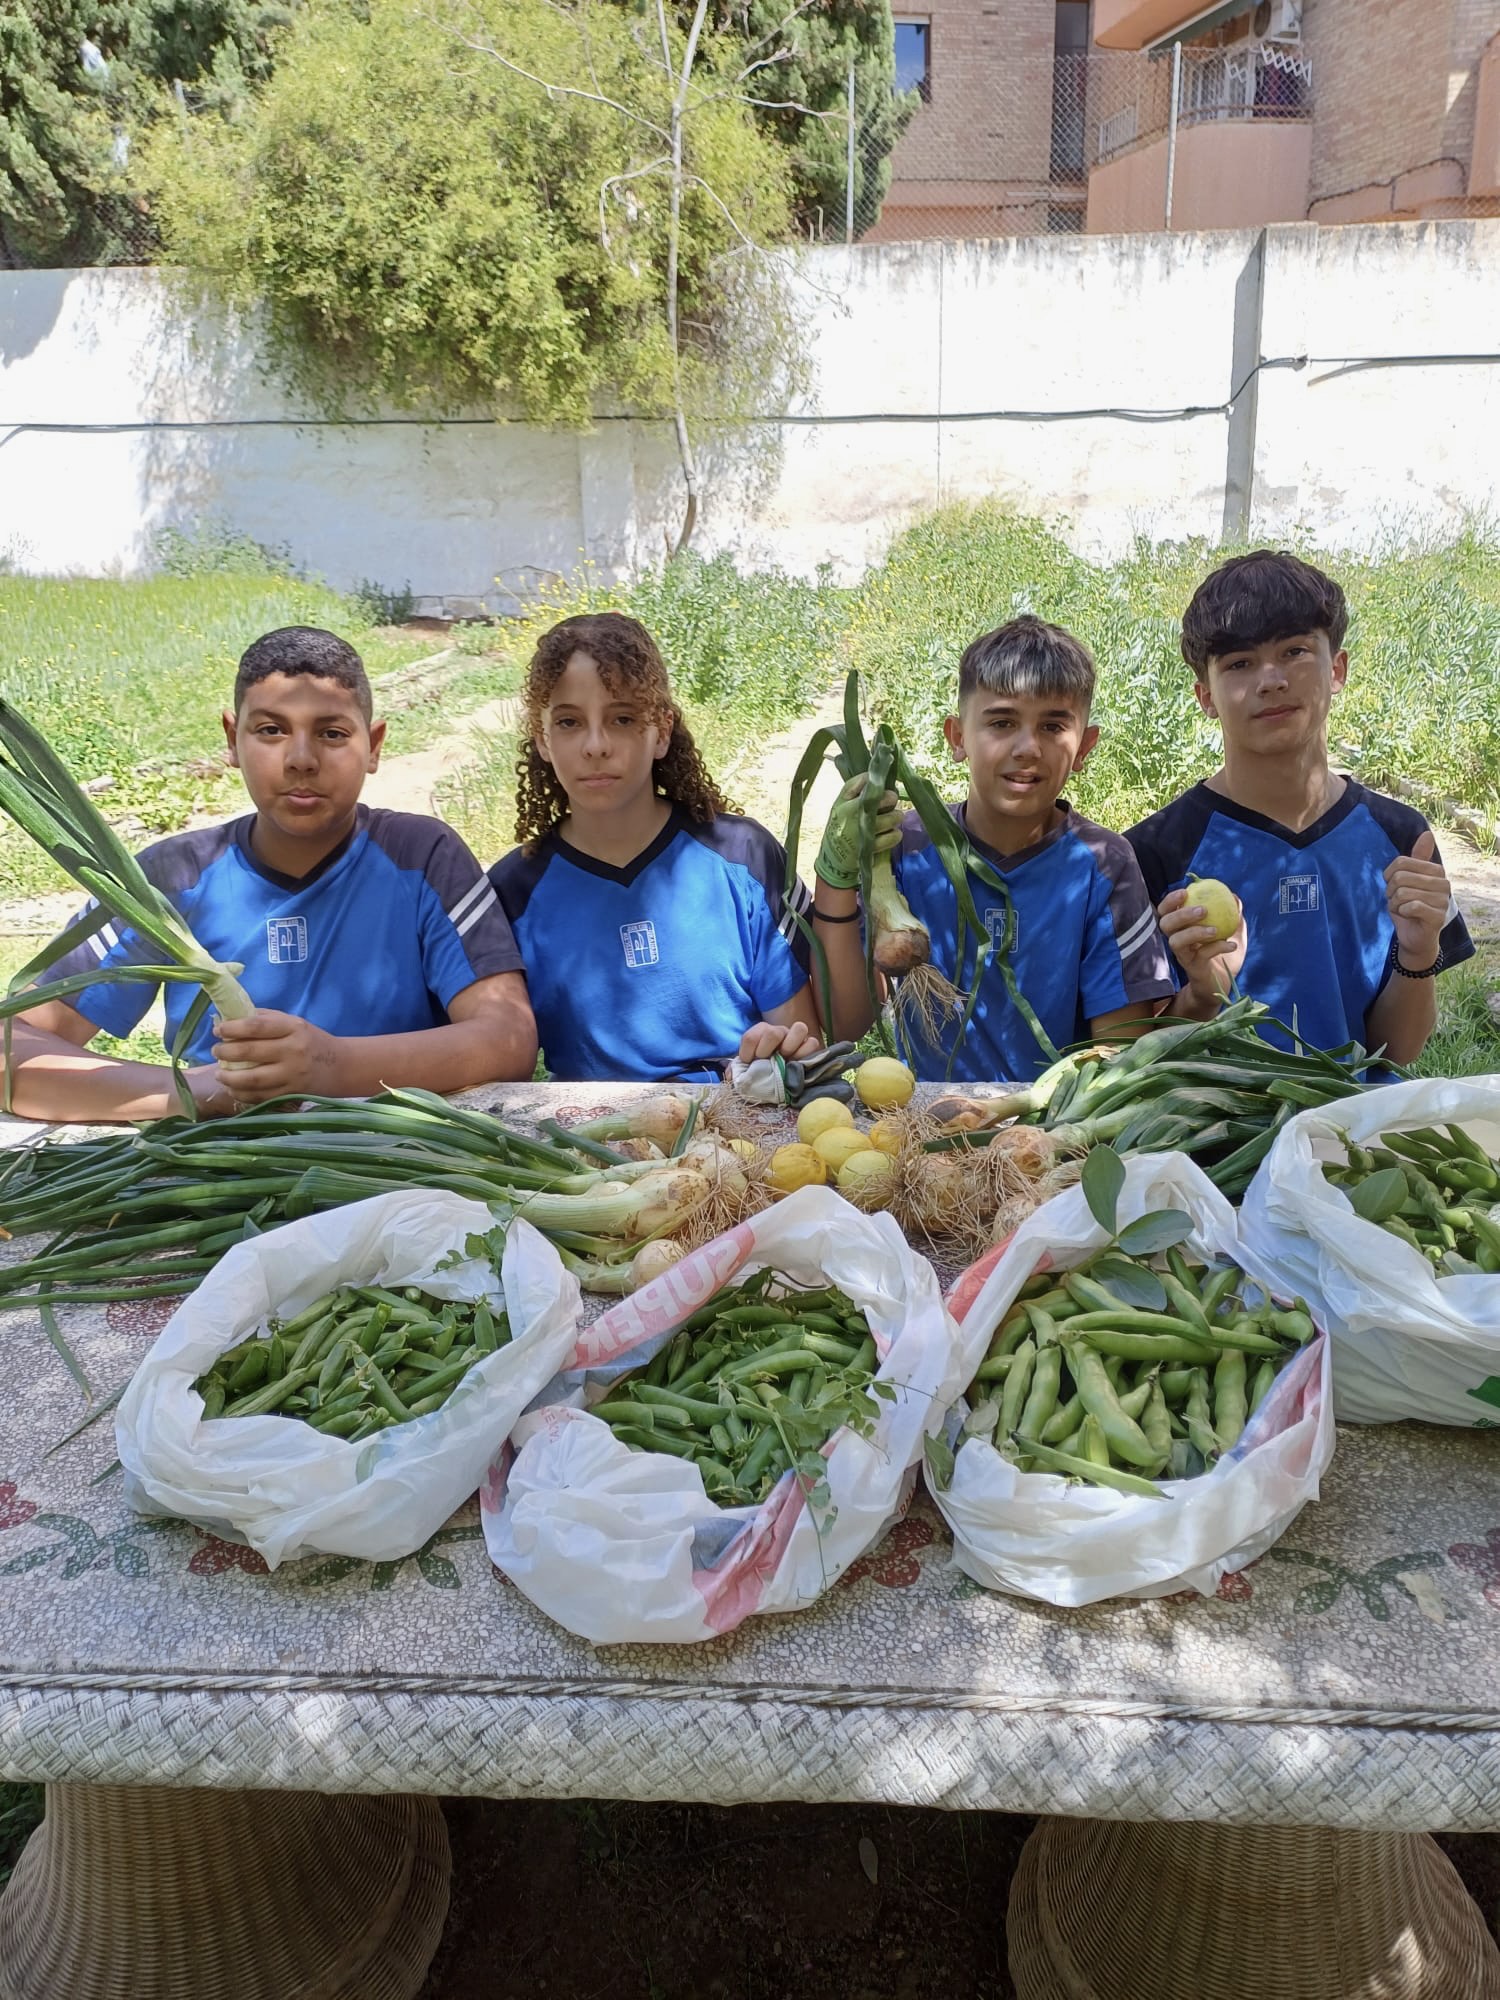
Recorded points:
(67,111)
(514,204)
(802,56)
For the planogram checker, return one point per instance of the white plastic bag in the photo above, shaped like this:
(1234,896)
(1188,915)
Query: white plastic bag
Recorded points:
(1036,1535)
(1406,1343)
(280,1485)
(621,1545)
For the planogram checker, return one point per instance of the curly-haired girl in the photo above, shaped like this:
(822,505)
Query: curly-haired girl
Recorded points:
(650,915)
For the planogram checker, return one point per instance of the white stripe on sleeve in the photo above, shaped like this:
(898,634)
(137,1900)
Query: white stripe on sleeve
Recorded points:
(467,899)
(482,908)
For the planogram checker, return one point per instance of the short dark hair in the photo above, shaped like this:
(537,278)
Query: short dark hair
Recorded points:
(1028,657)
(1252,600)
(304,649)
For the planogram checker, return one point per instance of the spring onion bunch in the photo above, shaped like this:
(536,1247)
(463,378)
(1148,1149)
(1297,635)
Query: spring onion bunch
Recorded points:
(1218,1090)
(40,794)
(896,944)
(147,1212)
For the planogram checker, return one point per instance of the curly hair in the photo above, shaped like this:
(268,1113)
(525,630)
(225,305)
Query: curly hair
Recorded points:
(627,657)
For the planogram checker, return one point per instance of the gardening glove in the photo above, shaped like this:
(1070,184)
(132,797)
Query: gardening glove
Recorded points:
(838,856)
(775,1081)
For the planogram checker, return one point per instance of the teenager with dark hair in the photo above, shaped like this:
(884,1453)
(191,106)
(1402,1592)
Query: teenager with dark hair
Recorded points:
(1347,913)
(650,914)
(1082,939)
(371,942)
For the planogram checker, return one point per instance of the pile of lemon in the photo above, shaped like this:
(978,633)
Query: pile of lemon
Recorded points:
(831,1147)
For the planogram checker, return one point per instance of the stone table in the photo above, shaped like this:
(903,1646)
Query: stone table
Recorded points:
(239,1741)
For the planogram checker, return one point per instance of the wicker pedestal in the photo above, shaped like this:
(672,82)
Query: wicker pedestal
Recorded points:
(1121,1910)
(137,1893)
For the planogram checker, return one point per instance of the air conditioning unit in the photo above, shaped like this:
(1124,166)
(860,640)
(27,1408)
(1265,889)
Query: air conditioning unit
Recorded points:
(1277,21)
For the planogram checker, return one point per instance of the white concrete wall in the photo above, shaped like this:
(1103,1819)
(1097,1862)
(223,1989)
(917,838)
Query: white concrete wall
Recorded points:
(913,346)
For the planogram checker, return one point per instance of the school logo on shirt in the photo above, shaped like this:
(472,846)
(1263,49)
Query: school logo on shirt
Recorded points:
(1299,895)
(1004,927)
(639,940)
(286,940)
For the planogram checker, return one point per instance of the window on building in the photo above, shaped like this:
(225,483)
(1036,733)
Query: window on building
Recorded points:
(1070,61)
(914,57)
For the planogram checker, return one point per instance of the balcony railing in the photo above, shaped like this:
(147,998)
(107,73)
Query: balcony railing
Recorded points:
(1260,82)
(1263,81)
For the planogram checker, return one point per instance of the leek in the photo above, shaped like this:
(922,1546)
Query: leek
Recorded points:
(39,793)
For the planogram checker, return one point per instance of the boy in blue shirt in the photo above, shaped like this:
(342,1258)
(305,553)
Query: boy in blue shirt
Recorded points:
(1083,943)
(372,942)
(1347,914)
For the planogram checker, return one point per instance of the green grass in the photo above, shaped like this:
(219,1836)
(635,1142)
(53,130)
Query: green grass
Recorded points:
(1466,1041)
(1422,705)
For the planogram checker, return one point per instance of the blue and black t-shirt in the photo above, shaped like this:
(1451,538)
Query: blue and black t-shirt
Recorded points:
(1083,941)
(1318,929)
(656,969)
(377,940)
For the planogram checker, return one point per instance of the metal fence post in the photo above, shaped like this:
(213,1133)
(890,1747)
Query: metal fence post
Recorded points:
(849,165)
(1172,128)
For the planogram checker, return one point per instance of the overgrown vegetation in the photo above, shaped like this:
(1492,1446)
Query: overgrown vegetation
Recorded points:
(129,678)
(464,205)
(77,79)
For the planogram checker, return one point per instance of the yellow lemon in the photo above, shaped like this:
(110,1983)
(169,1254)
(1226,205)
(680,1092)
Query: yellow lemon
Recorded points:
(882,1082)
(885,1138)
(822,1115)
(867,1178)
(1216,900)
(794,1167)
(838,1144)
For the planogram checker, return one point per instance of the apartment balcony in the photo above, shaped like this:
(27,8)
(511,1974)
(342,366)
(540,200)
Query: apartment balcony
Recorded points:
(1138,24)
(1244,144)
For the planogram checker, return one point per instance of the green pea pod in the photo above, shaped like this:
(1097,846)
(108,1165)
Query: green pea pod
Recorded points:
(292,1329)
(1149,1346)
(382,1392)
(1095,1444)
(1156,1424)
(1017,1387)
(1184,1301)
(1199,1427)
(252,1371)
(213,1392)
(484,1328)
(1295,1325)
(1230,1406)
(1219,1288)
(333,1365)
(1041,1399)
(1123,1434)
(995,1369)
(1260,1388)
(1134,1401)
(1175,1383)
(1071,1467)
(263,1401)
(1064,1420)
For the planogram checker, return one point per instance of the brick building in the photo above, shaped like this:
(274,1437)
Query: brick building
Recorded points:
(1051,115)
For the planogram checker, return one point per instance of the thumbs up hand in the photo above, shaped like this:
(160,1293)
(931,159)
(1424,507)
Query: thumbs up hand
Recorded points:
(1419,896)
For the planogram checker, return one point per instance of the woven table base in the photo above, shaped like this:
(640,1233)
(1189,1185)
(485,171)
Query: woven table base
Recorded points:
(1120,1910)
(149,1893)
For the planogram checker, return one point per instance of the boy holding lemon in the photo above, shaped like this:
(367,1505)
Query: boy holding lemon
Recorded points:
(1345,915)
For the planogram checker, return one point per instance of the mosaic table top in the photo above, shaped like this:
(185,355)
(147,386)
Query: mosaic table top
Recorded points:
(1350,1678)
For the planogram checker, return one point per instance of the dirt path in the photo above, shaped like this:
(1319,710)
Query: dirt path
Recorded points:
(761,780)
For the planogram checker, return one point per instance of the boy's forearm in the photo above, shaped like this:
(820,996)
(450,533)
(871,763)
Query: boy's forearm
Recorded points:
(457,1056)
(1402,1018)
(845,948)
(67,1086)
